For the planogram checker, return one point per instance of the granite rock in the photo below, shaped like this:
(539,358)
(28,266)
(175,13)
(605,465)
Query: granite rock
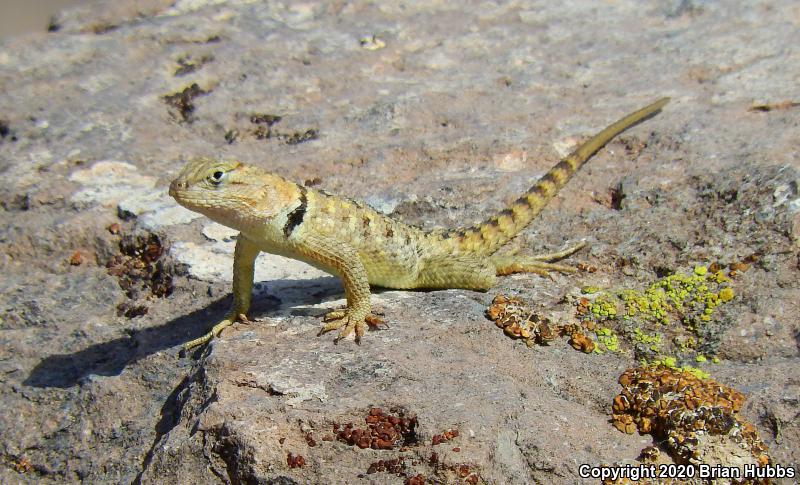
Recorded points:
(436,112)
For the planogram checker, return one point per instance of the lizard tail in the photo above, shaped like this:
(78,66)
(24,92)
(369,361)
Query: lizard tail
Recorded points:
(488,236)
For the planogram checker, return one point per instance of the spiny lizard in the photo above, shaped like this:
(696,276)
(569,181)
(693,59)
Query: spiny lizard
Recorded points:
(360,245)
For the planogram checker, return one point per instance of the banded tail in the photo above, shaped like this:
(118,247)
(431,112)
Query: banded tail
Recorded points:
(488,236)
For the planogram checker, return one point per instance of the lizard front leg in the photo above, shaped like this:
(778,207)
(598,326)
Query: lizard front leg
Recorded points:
(342,259)
(244,258)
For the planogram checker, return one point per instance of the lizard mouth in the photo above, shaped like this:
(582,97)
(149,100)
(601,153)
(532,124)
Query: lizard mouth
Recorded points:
(190,201)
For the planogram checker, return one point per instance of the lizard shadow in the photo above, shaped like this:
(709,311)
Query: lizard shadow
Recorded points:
(110,358)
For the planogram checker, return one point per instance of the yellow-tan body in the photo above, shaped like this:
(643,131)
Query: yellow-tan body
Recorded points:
(360,245)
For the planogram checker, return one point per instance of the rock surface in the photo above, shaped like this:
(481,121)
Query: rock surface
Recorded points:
(436,112)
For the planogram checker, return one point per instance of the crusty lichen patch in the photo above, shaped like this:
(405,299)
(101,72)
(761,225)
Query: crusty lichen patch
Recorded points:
(672,364)
(665,319)
(670,318)
(692,417)
(519,321)
(696,420)
(688,299)
(142,272)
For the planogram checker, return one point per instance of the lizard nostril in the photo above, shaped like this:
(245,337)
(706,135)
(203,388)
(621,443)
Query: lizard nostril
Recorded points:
(176,185)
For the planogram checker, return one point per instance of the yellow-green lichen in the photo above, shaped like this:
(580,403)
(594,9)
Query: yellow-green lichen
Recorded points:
(642,338)
(647,317)
(603,308)
(699,373)
(692,297)
(607,339)
(685,343)
(671,362)
(720,278)
(651,303)
(666,362)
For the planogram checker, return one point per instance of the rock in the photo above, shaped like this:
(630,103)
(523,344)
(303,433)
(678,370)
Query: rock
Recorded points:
(107,182)
(214,262)
(155,209)
(219,233)
(437,114)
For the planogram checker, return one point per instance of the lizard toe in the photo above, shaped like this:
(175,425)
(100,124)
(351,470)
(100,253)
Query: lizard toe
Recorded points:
(348,324)
(332,325)
(347,329)
(375,322)
(334,315)
(215,330)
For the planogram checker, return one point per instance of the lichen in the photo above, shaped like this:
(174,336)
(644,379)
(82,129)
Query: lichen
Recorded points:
(603,308)
(518,321)
(672,363)
(696,419)
(660,324)
(688,298)
(607,340)
(589,290)
(640,337)
(673,315)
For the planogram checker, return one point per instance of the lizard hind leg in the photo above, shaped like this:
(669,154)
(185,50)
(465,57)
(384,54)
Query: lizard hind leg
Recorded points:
(541,264)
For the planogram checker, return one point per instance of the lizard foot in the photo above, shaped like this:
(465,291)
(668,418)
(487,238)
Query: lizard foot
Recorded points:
(540,264)
(348,323)
(215,330)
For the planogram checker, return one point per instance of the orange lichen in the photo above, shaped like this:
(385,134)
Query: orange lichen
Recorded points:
(695,419)
(518,321)
(76,259)
(580,341)
(22,465)
(444,437)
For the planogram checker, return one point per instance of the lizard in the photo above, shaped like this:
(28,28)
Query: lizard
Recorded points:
(362,246)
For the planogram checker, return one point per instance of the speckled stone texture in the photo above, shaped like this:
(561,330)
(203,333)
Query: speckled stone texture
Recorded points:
(437,112)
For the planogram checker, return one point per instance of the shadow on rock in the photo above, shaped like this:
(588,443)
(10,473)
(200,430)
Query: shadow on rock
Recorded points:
(110,358)
(170,414)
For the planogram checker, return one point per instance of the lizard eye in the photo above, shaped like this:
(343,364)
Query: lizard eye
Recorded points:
(216,177)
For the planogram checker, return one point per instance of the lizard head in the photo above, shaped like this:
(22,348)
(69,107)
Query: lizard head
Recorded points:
(229,192)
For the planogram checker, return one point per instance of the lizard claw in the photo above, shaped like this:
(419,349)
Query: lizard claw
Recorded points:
(348,323)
